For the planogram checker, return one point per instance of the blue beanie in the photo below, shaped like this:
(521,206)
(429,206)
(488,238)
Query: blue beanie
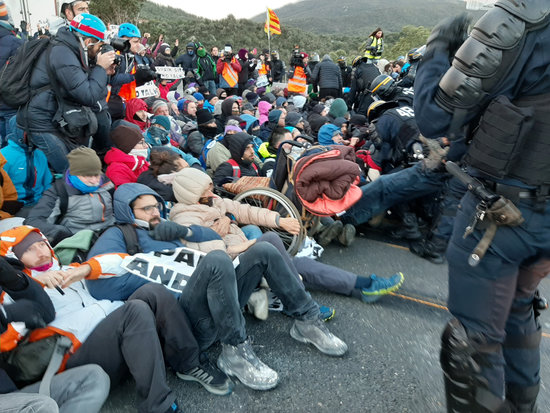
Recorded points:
(198,96)
(274,116)
(162,121)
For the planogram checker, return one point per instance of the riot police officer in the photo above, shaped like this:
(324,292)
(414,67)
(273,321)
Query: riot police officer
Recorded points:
(495,93)
(362,74)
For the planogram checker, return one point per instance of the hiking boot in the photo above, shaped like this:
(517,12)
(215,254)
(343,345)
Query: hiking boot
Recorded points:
(329,233)
(381,286)
(258,304)
(241,361)
(426,249)
(326,313)
(210,377)
(347,235)
(316,333)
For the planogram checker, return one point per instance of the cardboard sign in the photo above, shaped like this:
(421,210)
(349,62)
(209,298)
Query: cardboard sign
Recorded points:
(147,90)
(172,268)
(168,72)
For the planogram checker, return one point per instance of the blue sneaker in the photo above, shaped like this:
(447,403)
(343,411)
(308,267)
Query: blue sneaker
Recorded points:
(381,286)
(326,313)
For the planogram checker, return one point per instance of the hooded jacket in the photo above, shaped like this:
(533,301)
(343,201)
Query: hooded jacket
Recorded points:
(77,313)
(132,107)
(188,187)
(121,286)
(84,211)
(163,59)
(227,111)
(325,134)
(263,108)
(27,168)
(237,145)
(79,83)
(327,74)
(124,168)
(186,61)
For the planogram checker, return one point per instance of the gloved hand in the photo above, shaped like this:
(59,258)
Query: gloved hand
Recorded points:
(373,136)
(436,155)
(144,75)
(168,231)
(448,35)
(9,274)
(26,311)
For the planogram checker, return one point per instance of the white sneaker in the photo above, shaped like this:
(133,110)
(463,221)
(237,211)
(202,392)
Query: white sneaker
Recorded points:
(316,333)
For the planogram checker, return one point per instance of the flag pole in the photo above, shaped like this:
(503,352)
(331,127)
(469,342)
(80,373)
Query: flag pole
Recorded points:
(268,22)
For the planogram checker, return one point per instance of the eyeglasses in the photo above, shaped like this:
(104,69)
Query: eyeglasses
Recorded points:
(150,208)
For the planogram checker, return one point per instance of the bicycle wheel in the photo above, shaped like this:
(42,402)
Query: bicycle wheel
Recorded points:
(275,201)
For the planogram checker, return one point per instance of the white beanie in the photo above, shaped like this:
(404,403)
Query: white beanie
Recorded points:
(189,185)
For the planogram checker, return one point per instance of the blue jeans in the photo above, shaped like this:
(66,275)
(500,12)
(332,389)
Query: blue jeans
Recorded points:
(54,148)
(211,86)
(80,389)
(252,232)
(495,298)
(5,116)
(216,292)
(392,189)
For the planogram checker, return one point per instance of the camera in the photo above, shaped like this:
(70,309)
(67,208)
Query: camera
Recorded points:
(108,48)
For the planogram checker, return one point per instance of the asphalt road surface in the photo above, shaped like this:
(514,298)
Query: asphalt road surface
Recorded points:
(393,359)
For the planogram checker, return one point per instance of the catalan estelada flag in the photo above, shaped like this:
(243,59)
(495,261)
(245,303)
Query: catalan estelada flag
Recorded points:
(272,23)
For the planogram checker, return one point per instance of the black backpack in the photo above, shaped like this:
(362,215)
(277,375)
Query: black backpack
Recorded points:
(15,76)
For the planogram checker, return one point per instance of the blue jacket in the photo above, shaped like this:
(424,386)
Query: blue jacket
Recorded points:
(112,241)
(325,134)
(27,168)
(79,83)
(9,43)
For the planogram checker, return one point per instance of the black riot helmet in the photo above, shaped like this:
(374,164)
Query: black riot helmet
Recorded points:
(382,86)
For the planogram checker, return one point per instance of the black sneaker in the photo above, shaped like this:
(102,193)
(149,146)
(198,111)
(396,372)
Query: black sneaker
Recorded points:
(210,377)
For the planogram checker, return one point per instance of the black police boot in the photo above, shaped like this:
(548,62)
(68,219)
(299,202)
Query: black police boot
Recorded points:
(426,249)
(523,399)
(409,228)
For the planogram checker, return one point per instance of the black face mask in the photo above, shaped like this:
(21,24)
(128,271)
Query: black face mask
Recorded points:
(209,131)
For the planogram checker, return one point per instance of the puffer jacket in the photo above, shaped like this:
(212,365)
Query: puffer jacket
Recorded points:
(124,168)
(327,74)
(27,168)
(79,83)
(84,211)
(326,181)
(9,43)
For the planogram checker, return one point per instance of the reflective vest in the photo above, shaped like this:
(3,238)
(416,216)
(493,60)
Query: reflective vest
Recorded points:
(230,75)
(128,90)
(297,83)
(377,43)
(263,70)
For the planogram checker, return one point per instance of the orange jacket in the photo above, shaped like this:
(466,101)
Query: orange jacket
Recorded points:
(8,192)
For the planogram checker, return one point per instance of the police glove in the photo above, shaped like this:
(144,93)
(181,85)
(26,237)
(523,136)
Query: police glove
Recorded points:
(436,155)
(168,231)
(374,137)
(10,277)
(448,35)
(144,75)
(23,310)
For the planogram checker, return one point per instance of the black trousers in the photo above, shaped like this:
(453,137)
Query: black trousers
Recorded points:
(134,337)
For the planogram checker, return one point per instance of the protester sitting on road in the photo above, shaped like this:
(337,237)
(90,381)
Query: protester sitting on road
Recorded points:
(79,200)
(114,334)
(136,113)
(241,162)
(84,388)
(128,158)
(197,205)
(216,292)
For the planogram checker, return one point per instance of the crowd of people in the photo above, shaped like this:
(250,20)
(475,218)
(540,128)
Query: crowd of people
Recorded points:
(106,156)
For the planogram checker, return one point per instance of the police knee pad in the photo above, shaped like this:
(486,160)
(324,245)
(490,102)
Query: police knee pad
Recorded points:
(461,358)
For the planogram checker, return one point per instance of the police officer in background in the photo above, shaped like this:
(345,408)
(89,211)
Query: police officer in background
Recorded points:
(362,74)
(498,86)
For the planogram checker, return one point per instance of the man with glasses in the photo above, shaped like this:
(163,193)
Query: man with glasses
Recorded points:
(217,289)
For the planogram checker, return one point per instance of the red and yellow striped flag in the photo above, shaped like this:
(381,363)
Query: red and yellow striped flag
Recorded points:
(272,21)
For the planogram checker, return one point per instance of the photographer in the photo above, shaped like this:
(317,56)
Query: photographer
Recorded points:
(63,115)
(129,74)
(228,67)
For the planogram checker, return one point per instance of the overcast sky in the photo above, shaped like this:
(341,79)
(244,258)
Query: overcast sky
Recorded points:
(218,9)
